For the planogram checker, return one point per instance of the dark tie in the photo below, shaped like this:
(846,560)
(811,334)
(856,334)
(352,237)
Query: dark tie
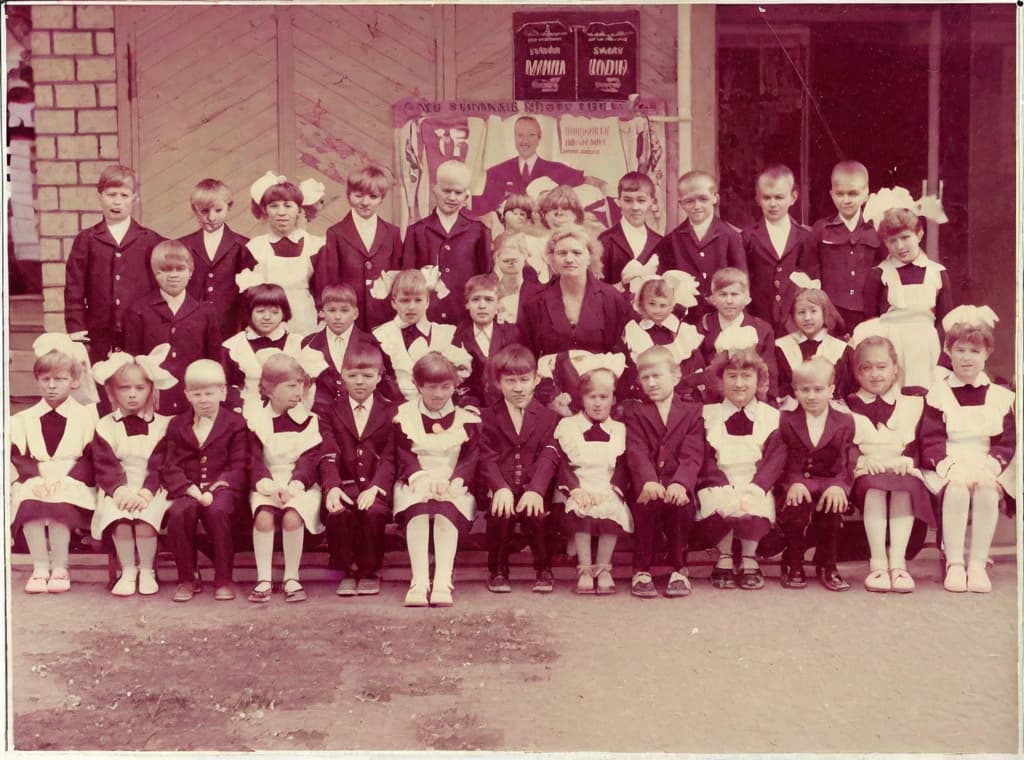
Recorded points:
(135,425)
(809,348)
(596,434)
(436,425)
(526,174)
(661,335)
(52,424)
(739,424)
(410,333)
(261,342)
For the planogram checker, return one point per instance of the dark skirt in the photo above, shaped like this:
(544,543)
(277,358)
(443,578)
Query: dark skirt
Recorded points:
(920,496)
(57,511)
(443,508)
(714,528)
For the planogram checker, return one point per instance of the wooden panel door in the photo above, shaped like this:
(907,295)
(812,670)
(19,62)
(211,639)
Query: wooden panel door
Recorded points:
(198,85)
(351,63)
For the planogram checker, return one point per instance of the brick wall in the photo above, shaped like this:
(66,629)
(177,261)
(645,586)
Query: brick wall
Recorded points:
(76,131)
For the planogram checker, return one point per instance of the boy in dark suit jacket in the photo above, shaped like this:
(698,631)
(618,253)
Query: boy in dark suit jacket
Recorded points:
(818,475)
(108,267)
(357,472)
(217,254)
(774,247)
(340,335)
(518,459)
(206,473)
(664,451)
(702,244)
(730,294)
(362,245)
(844,248)
(483,337)
(630,238)
(171,315)
(458,246)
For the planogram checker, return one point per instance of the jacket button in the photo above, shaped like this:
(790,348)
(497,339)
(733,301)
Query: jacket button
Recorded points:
(701,254)
(853,292)
(807,474)
(447,247)
(117,255)
(369,265)
(661,464)
(359,452)
(203,459)
(173,329)
(778,298)
(778,268)
(517,456)
(853,273)
(117,277)
(209,289)
(210,276)
(776,283)
(362,480)
(117,302)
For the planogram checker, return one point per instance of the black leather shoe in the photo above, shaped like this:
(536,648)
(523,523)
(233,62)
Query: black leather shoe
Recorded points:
(832,580)
(793,577)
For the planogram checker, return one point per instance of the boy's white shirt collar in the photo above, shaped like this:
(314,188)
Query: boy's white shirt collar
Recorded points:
(888,397)
(851,224)
(447,220)
(211,240)
(366,228)
(174,302)
(700,230)
(635,236)
(343,337)
(531,162)
(295,235)
(367,405)
(514,410)
(778,233)
(980,380)
(443,412)
(671,322)
(816,425)
(737,322)
(119,229)
(664,407)
(487,330)
(276,334)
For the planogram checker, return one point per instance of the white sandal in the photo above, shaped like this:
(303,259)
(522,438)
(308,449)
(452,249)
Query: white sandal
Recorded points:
(878,581)
(902,581)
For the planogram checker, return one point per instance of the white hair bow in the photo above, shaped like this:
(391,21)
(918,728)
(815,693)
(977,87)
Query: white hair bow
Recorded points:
(802,281)
(459,357)
(866,329)
(971,315)
(928,206)
(585,361)
(247,278)
(312,190)
(62,342)
(312,361)
(635,269)
(736,339)
(150,364)
(540,186)
(381,287)
(684,287)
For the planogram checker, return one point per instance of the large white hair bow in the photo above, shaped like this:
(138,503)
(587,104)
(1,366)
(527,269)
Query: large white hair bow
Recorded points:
(868,328)
(312,361)
(62,342)
(971,315)
(928,206)
(684,287)
(736,339)
(150,364)
(634,269)
(312,190)
(585,361)
(381,287)
(802,281)
(247,278)
(459,357)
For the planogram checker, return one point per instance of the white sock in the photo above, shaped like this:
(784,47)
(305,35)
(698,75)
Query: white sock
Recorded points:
(605,548)
(60,540)
(147,551)
(417,539)
(446,543)
(35,537)
(955,504)
(291,543)
(875,513)
(263,548)
(901,523)
(582,542)
(124,544)
(725,560)
(984,516)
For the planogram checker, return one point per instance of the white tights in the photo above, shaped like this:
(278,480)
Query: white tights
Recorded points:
(983,505)
(898,516)
(57,554)
(446,542)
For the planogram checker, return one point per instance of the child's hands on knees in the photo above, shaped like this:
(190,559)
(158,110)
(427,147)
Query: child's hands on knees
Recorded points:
(902,466)
(833,500)
(502,503)
(205,498)
(676,494)
(869,466)
(366,498)
(584,500)
(532,503)
(336,500)
(797,494)
(652,491)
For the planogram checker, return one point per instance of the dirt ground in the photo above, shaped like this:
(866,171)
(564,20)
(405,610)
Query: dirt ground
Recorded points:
(721,671)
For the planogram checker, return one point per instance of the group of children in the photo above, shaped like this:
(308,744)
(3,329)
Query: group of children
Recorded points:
(338,383)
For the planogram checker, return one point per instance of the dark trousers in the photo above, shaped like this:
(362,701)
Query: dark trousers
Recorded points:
(499,530)
(793,522)
(357,535)
(182,519)
(674,520)
(101,342)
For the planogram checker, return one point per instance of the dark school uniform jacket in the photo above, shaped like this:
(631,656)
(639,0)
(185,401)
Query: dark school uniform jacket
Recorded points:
(506,179)
(523,461)
(711,327)
(771,290)
(103,278)
(354,462)
(459,254)
(842,259)
(721,247)
(213,281)
(478,389)
(223,458)
(329,385)
(660,453)
(617,251)
(830,463)
(192,333)
(344,259)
